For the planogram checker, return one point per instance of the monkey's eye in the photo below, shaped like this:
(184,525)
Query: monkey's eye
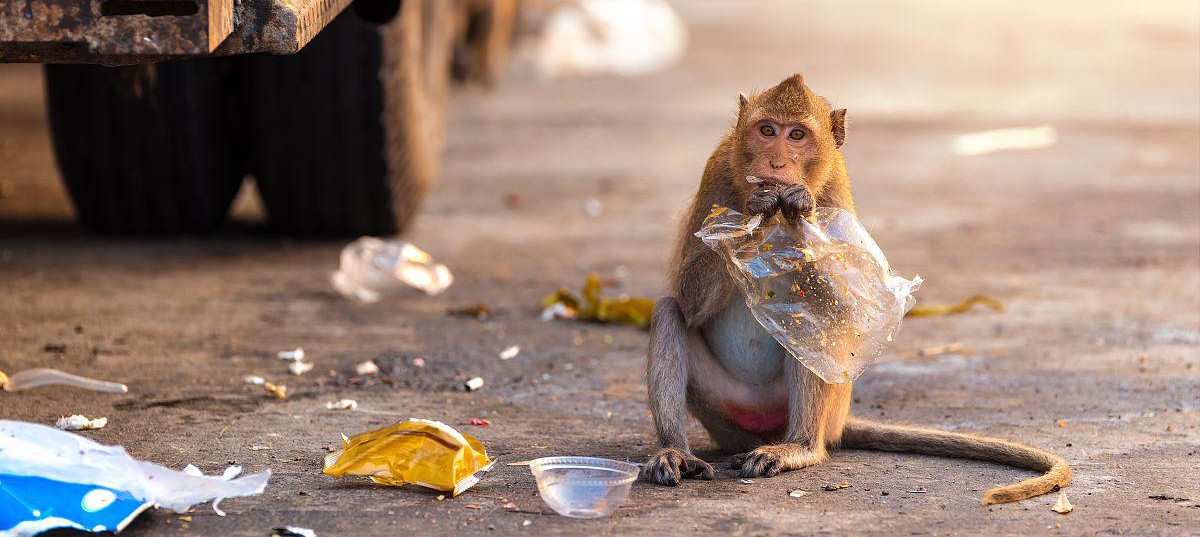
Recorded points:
(796,134)
(767,130)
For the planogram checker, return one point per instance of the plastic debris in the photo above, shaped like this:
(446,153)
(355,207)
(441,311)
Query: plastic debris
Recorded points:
(371,267)
(423,452)
(79,422)
(278,391)
(57,479)
(823,289)
(1062,506)
(839,486)
(938,310)
(292,531)
(299,368)
(254,380)
(510,353)
(36,378)
(418,362)
(799,493)
(342,404)
(295,355)
(474,383)
(481,423)
(626,37)
(991,141)
(366,368)
(593,307)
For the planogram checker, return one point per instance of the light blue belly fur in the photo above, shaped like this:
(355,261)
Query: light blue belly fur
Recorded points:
(747,351)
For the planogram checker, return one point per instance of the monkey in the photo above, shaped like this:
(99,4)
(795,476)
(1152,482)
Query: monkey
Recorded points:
(709,357)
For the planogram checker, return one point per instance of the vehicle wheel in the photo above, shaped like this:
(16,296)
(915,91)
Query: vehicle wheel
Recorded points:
(145,149)
(347,134)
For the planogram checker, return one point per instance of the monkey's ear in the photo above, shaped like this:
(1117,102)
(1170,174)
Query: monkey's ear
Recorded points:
(742,100)
(837,120)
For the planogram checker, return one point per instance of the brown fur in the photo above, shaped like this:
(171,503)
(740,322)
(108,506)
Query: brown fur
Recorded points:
(683,374)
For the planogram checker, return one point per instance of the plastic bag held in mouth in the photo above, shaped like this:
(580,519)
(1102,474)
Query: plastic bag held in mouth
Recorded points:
(823,289)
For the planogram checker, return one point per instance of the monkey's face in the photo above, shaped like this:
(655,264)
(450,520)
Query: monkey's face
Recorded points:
(782,151)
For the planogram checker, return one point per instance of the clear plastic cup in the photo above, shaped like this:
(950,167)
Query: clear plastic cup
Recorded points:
(583,487)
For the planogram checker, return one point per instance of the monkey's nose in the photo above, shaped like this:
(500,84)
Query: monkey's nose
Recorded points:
(778,166)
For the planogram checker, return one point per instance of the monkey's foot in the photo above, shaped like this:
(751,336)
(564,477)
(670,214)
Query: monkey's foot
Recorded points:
(670,465)
(768,461)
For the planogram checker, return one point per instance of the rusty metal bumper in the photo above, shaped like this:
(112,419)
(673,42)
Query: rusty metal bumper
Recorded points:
(139,31)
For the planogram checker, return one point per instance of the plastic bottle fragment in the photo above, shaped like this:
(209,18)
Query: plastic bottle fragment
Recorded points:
(58,479)
(79,422)
(371,266)
(423,452)
(293,355)
(342,404)
(474,383)
(822,288)
(35,378)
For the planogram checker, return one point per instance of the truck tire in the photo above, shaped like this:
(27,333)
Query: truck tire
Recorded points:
(346,135)
(147,148)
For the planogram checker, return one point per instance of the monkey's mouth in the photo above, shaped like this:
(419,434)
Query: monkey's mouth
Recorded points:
(762,178)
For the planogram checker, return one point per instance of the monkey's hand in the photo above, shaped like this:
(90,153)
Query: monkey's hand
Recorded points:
(768,461)
(796,202)
(669,465)
(764,200)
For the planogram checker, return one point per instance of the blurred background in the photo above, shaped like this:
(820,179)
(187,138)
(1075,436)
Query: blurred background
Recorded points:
(572,155)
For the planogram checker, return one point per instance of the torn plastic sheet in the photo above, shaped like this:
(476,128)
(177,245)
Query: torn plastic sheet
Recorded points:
(370,267)
(42,376)
(51,478)
(823,289)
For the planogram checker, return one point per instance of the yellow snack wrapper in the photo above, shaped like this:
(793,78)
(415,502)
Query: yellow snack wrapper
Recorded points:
(423,452)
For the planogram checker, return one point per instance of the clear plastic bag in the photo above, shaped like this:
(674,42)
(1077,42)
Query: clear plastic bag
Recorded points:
(823,289)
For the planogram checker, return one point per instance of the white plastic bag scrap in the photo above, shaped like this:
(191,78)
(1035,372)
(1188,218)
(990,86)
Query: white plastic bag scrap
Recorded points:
(29,449)
(822,289)
(370,267)
(626,37)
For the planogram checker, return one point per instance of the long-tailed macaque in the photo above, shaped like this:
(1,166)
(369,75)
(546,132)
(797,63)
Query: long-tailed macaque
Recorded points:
(709,356)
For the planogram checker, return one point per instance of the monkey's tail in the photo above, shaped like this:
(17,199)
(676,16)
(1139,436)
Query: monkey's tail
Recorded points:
(865,434)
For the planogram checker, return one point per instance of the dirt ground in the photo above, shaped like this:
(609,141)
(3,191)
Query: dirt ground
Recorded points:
(1093,244)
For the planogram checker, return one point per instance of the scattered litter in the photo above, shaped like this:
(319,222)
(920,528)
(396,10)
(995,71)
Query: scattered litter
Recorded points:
(482,423)
(300,368)
(626,37)
(342,404)
(58,479)
(371,266)
(293,355)
(1063,505)
(596,308)
(593,207)
(36,378)
(526,523)
(1061,423)
(424,452)
(938,310)
(918,490)
(991,141)
(418,362)
(79,422)
(366,368)
(474,383)
(510,352)
(254,380)
(583,487)
(839,486)
(823,289)
(799,493)
(278,391)
(478,310)
(292,531)
(746,482)
(440,497)
(260,448)
(519,463)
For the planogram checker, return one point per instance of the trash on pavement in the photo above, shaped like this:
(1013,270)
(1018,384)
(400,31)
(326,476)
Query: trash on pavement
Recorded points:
(366,368)
(35,378)
(1062,506)
(342,404)
(278,391)
(481,423)
(423,452)
(596,308)
(62,480)
(838,486)
(372,266)
(510,353)
(799,493)
(295,355)
(626,37)
(299,368)
(254,380)
(991,141)
(79,422)
(938,310)
(292,531)
(823,289)
(474,383)
(583,487)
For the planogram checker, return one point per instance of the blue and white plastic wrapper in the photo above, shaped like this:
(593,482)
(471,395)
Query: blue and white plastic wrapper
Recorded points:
(51,478)
(822,288)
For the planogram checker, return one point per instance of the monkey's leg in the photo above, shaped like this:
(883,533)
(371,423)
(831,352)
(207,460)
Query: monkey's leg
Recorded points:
(667,375)
(817,415)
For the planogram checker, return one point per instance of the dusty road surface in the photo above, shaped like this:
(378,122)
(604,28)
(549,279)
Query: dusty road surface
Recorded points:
(1093,244)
